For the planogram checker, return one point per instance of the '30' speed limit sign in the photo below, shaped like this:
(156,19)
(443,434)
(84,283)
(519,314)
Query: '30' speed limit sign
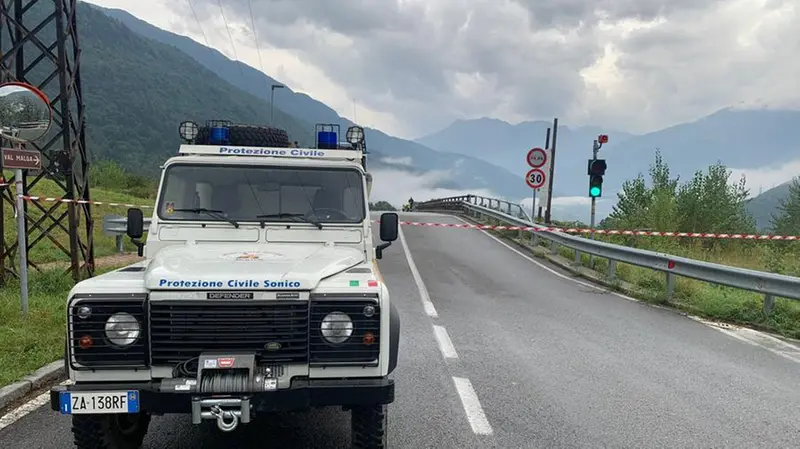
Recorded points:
(536,178)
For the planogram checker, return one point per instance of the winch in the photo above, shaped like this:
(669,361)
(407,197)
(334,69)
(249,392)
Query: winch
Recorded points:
(225,383)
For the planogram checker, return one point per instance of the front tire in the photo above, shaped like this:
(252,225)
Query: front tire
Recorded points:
(370,426)
(119,431)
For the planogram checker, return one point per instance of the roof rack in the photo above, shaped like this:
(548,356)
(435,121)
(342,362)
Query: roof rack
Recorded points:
(327,145)
(276,152)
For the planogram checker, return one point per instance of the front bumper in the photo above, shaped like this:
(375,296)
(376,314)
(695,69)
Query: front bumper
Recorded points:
(301,395)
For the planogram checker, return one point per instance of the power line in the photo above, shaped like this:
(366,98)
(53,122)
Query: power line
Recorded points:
(255,33)
(199,25)
(230,36)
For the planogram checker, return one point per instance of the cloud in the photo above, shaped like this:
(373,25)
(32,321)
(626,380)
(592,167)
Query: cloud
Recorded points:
(396,187)
(765,178)
(415,65)
(397,161)
(572,208)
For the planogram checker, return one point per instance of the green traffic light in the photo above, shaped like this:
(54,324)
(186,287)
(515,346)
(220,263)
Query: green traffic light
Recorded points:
(594,192)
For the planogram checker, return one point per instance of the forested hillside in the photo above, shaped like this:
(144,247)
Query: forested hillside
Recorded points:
(137,91)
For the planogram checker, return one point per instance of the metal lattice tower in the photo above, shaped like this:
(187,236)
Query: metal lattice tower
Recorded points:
(39,45)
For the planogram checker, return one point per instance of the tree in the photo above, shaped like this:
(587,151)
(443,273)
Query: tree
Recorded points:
(710,203)
(787,220)
(641,207)
(381,205)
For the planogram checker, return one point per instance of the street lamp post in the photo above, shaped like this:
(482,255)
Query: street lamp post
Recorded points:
(272,103)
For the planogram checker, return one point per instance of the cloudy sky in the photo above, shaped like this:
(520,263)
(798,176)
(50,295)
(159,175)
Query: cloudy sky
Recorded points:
(412,66)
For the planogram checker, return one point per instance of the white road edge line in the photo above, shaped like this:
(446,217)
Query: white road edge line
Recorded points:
(423,291)
(791,352)
(472,407)
(445,344)
(26,408)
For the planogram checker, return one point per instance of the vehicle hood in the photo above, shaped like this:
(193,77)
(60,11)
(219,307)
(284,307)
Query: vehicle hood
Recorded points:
(294,266)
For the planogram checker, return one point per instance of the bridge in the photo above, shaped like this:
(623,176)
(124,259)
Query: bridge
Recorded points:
(508,344)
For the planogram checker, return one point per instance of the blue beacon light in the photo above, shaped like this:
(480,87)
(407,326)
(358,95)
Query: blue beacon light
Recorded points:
(220,135)
(328,140)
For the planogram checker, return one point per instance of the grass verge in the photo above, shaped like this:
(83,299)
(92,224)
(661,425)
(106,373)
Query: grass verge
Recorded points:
(26,344)
(699,298)
(45,251)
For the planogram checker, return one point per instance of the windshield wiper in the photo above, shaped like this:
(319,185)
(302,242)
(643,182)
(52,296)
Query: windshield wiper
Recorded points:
(211,212)
(298,217)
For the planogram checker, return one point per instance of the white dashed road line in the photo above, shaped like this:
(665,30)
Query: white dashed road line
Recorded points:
(445,344)
(469,399)
(423,291)
(472,407)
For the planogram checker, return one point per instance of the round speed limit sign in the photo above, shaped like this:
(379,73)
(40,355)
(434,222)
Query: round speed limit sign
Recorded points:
(536,178)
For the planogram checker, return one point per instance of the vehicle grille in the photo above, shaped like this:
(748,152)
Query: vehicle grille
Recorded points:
(181,330)
(102,352)
(353,352)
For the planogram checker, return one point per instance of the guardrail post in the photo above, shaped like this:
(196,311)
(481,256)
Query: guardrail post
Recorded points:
(670,285)
(577,257)
(769,303)
(612,269)
(120,243)
(553,247)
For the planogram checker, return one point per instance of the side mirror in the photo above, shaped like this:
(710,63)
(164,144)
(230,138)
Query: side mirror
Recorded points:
(389,232)
(389,225)
(135,225)
(135,228)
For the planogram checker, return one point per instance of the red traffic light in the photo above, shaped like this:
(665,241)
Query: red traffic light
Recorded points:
(602,138)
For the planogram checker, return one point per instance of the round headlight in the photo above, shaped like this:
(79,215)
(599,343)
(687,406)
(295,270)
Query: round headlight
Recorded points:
(122,329)
(337,327)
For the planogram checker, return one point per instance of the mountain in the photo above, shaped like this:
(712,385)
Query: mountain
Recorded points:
(136,92)
(763,206)
(460,172)
(741,139)
(507,145)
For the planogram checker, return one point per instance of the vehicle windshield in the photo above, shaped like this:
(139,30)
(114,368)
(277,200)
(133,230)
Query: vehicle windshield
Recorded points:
(248,193)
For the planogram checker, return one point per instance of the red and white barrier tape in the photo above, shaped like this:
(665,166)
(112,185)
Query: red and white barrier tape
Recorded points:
(700,235)
(67,200)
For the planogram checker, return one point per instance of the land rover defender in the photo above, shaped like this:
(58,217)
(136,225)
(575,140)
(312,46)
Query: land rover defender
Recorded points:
(259,291)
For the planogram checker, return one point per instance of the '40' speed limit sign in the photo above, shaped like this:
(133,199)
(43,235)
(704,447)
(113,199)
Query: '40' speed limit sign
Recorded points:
(536,178)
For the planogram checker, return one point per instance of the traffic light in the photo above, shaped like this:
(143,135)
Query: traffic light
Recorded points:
(595,186)
(596,170)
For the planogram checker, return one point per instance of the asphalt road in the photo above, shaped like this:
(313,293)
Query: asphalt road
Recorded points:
(515,356)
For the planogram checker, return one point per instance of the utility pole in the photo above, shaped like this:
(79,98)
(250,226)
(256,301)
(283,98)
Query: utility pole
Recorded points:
(41,48)
(547,214)
(546,147)
(272,103)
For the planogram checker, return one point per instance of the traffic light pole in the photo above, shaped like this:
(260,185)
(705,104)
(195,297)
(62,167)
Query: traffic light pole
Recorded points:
(595,149)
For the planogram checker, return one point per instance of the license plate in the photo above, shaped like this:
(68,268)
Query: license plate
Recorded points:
(81,403)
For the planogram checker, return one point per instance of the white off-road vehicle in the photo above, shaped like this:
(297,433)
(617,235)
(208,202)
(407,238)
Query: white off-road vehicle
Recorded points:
(259,292)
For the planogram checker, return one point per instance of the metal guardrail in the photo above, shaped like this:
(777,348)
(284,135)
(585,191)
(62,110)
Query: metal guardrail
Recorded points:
(513,209)
(771,285)
(116,225)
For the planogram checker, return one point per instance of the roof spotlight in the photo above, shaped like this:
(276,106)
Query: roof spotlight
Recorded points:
(355,135)
(188,130)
